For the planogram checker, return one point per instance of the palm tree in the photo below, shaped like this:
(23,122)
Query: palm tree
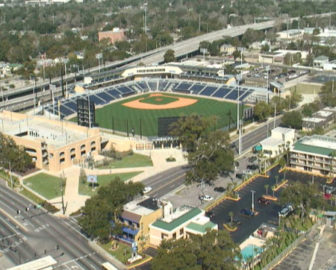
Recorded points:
(229,115)
(276,180)
(231,216)
(266,188)
(273,188)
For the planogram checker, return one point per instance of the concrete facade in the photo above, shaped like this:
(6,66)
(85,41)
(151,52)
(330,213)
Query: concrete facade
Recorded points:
(54,145)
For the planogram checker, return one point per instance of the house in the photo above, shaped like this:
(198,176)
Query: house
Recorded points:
(113,36)
(227,49)
(314,154)
(320,119)
(291,34)
(280,140)
(136,217)
(180,223)
(320,61)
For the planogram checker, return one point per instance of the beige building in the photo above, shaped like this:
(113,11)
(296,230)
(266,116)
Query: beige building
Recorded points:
(54,145)
(136,217)
(180,223)
(315,154)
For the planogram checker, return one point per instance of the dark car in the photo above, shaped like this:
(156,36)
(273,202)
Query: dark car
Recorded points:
(252,159)
(219,189)
(253,167)
(264,201)
(247,212)
(210,214)
(240,175)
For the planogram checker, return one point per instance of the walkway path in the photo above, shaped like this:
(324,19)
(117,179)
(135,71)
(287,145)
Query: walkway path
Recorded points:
(75,201)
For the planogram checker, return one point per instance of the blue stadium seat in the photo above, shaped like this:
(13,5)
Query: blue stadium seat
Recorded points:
(196,88)
(152,86)
(96,100)
(222,92)
(208,91)
(65,111)
(113,92)
(71,104)
(233,94)
(105,97)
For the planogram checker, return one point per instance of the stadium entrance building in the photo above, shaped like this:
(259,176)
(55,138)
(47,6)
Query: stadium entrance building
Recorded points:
(53,145)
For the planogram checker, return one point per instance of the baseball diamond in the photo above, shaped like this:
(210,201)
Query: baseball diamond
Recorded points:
(140,114)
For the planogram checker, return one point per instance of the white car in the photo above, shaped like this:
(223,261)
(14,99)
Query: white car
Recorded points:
(147,189)
(206,198)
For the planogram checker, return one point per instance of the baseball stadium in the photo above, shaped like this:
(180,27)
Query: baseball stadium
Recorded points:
(145,105)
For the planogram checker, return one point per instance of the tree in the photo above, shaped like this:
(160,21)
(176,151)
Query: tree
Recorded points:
(213,156)
(292,119)
(215,250)
(169,56)
(106,206)
(262,111)
(328,94)
(209,153)
(303,196)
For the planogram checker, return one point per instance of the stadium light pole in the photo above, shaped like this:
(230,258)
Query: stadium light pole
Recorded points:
(252,203)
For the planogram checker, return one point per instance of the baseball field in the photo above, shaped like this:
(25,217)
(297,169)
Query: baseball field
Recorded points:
(140,114)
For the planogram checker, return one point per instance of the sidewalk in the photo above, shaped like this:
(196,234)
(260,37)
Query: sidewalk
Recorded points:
(75,201)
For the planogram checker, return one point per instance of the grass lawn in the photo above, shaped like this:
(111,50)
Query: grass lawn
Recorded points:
(122,253)
(46,185)
(86,189)
(115,116)
(130,161)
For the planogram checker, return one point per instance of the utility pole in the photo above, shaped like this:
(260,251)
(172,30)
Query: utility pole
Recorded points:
(274,115)
(145,21)
(238,111)
(252,203)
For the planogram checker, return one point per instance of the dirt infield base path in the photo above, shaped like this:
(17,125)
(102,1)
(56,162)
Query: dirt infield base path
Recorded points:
(179,103)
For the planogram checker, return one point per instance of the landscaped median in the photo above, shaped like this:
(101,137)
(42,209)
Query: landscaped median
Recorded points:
(230,228)
(283,183)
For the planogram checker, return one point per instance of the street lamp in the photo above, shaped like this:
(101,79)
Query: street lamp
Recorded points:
(252,205)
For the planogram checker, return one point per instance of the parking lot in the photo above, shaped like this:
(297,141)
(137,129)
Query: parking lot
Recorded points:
(266,213)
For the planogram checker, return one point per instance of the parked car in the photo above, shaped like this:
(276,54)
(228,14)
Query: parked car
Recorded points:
(206,198)
(147,189)
(252,159)
(219,189)
(247,212)
(264,201)
(253,167)
(241,175)
(286,210)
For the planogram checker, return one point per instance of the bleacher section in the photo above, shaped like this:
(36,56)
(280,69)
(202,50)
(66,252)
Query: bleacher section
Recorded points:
(104,96)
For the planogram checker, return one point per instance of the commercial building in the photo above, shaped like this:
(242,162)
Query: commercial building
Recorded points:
(291,34)
(280,140)
(181,223)
(113,36)
(53,145)
(136,217)
(314,154)
(320,119)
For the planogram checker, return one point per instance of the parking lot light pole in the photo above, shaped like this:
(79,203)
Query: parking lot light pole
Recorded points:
(252,206)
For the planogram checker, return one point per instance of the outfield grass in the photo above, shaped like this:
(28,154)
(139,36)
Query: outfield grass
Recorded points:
(118,117)
(86,189)
(46,185)
(130,161)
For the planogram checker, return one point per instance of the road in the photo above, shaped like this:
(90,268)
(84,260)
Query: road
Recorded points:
(42,235)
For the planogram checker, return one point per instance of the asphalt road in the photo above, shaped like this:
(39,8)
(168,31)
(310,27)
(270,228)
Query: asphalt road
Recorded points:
(44,232)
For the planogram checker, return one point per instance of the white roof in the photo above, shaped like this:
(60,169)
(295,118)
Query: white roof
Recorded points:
(320,141)
(313,119)
(323,113)
(271,142)
(283,130)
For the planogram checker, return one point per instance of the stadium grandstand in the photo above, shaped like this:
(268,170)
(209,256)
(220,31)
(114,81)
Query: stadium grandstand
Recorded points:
(64,108)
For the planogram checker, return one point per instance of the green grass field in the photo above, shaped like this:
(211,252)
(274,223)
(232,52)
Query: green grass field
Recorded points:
(86,189)
(131,161)
(46,185)
(115,116)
